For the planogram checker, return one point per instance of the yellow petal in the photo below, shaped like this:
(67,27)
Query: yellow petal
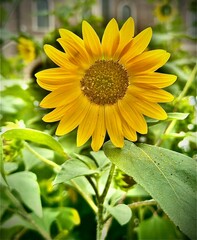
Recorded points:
(91,40)
(55,115)
(54,78)
(99,133)
(127,31)
(61,96)
(126,35)
(159,80)
(58,57)
(134,118)
(66,34)
(150,95)
(147,62)
(87,126)
(110,39)
(73,116)
(128,131)
(76,53)
(113,125)
(151,109)
(136,46)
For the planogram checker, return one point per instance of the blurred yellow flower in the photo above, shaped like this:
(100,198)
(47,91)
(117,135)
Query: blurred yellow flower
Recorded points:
(165,12)
(105,86)
(26,49)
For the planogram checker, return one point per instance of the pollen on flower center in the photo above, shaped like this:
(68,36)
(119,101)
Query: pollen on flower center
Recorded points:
(105,82)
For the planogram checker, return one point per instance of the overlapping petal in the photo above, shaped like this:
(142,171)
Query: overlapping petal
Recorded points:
(56,114)
(148,61)
(58,57)
(54,78)
(150,109)
(61,96)
(126,35)
(136,46)
(88,124)
(74,115)
(75,53)
(128,131)
(133,118)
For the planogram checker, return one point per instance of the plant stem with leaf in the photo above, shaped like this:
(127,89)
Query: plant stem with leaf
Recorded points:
(100,201)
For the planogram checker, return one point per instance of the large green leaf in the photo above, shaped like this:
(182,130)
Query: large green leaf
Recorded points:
(35,136)
(168,176)
(163,229)
(25,183)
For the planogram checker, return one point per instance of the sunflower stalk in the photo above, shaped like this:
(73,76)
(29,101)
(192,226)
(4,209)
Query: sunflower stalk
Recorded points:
(100,199)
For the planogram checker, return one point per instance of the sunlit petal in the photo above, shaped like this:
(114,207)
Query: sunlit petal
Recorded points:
(113,125)
(110,39)
(148,61)
(99,133)
(88,124)
(73,116)
(91,40)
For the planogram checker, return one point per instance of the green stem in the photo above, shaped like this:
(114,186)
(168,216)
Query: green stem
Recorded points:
(43,159)
(85,196)
(101,199)
(105,191)
(142,203)
(26,216)
(93,186)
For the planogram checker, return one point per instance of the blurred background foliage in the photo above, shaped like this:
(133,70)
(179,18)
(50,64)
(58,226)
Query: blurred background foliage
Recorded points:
(67,214)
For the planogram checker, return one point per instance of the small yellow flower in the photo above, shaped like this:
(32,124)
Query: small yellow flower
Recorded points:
(165,11)
(105,86)
(26,49)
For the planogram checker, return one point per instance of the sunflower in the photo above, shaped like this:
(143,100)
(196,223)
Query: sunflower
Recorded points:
(26,49)
(165,12)
(105,86)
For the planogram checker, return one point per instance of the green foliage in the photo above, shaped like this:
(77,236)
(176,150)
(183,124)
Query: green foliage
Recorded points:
(168,176)
(69,171)
(163,229)
(28,190)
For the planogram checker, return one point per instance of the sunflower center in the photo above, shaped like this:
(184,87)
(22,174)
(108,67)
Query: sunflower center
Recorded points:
(105,82)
